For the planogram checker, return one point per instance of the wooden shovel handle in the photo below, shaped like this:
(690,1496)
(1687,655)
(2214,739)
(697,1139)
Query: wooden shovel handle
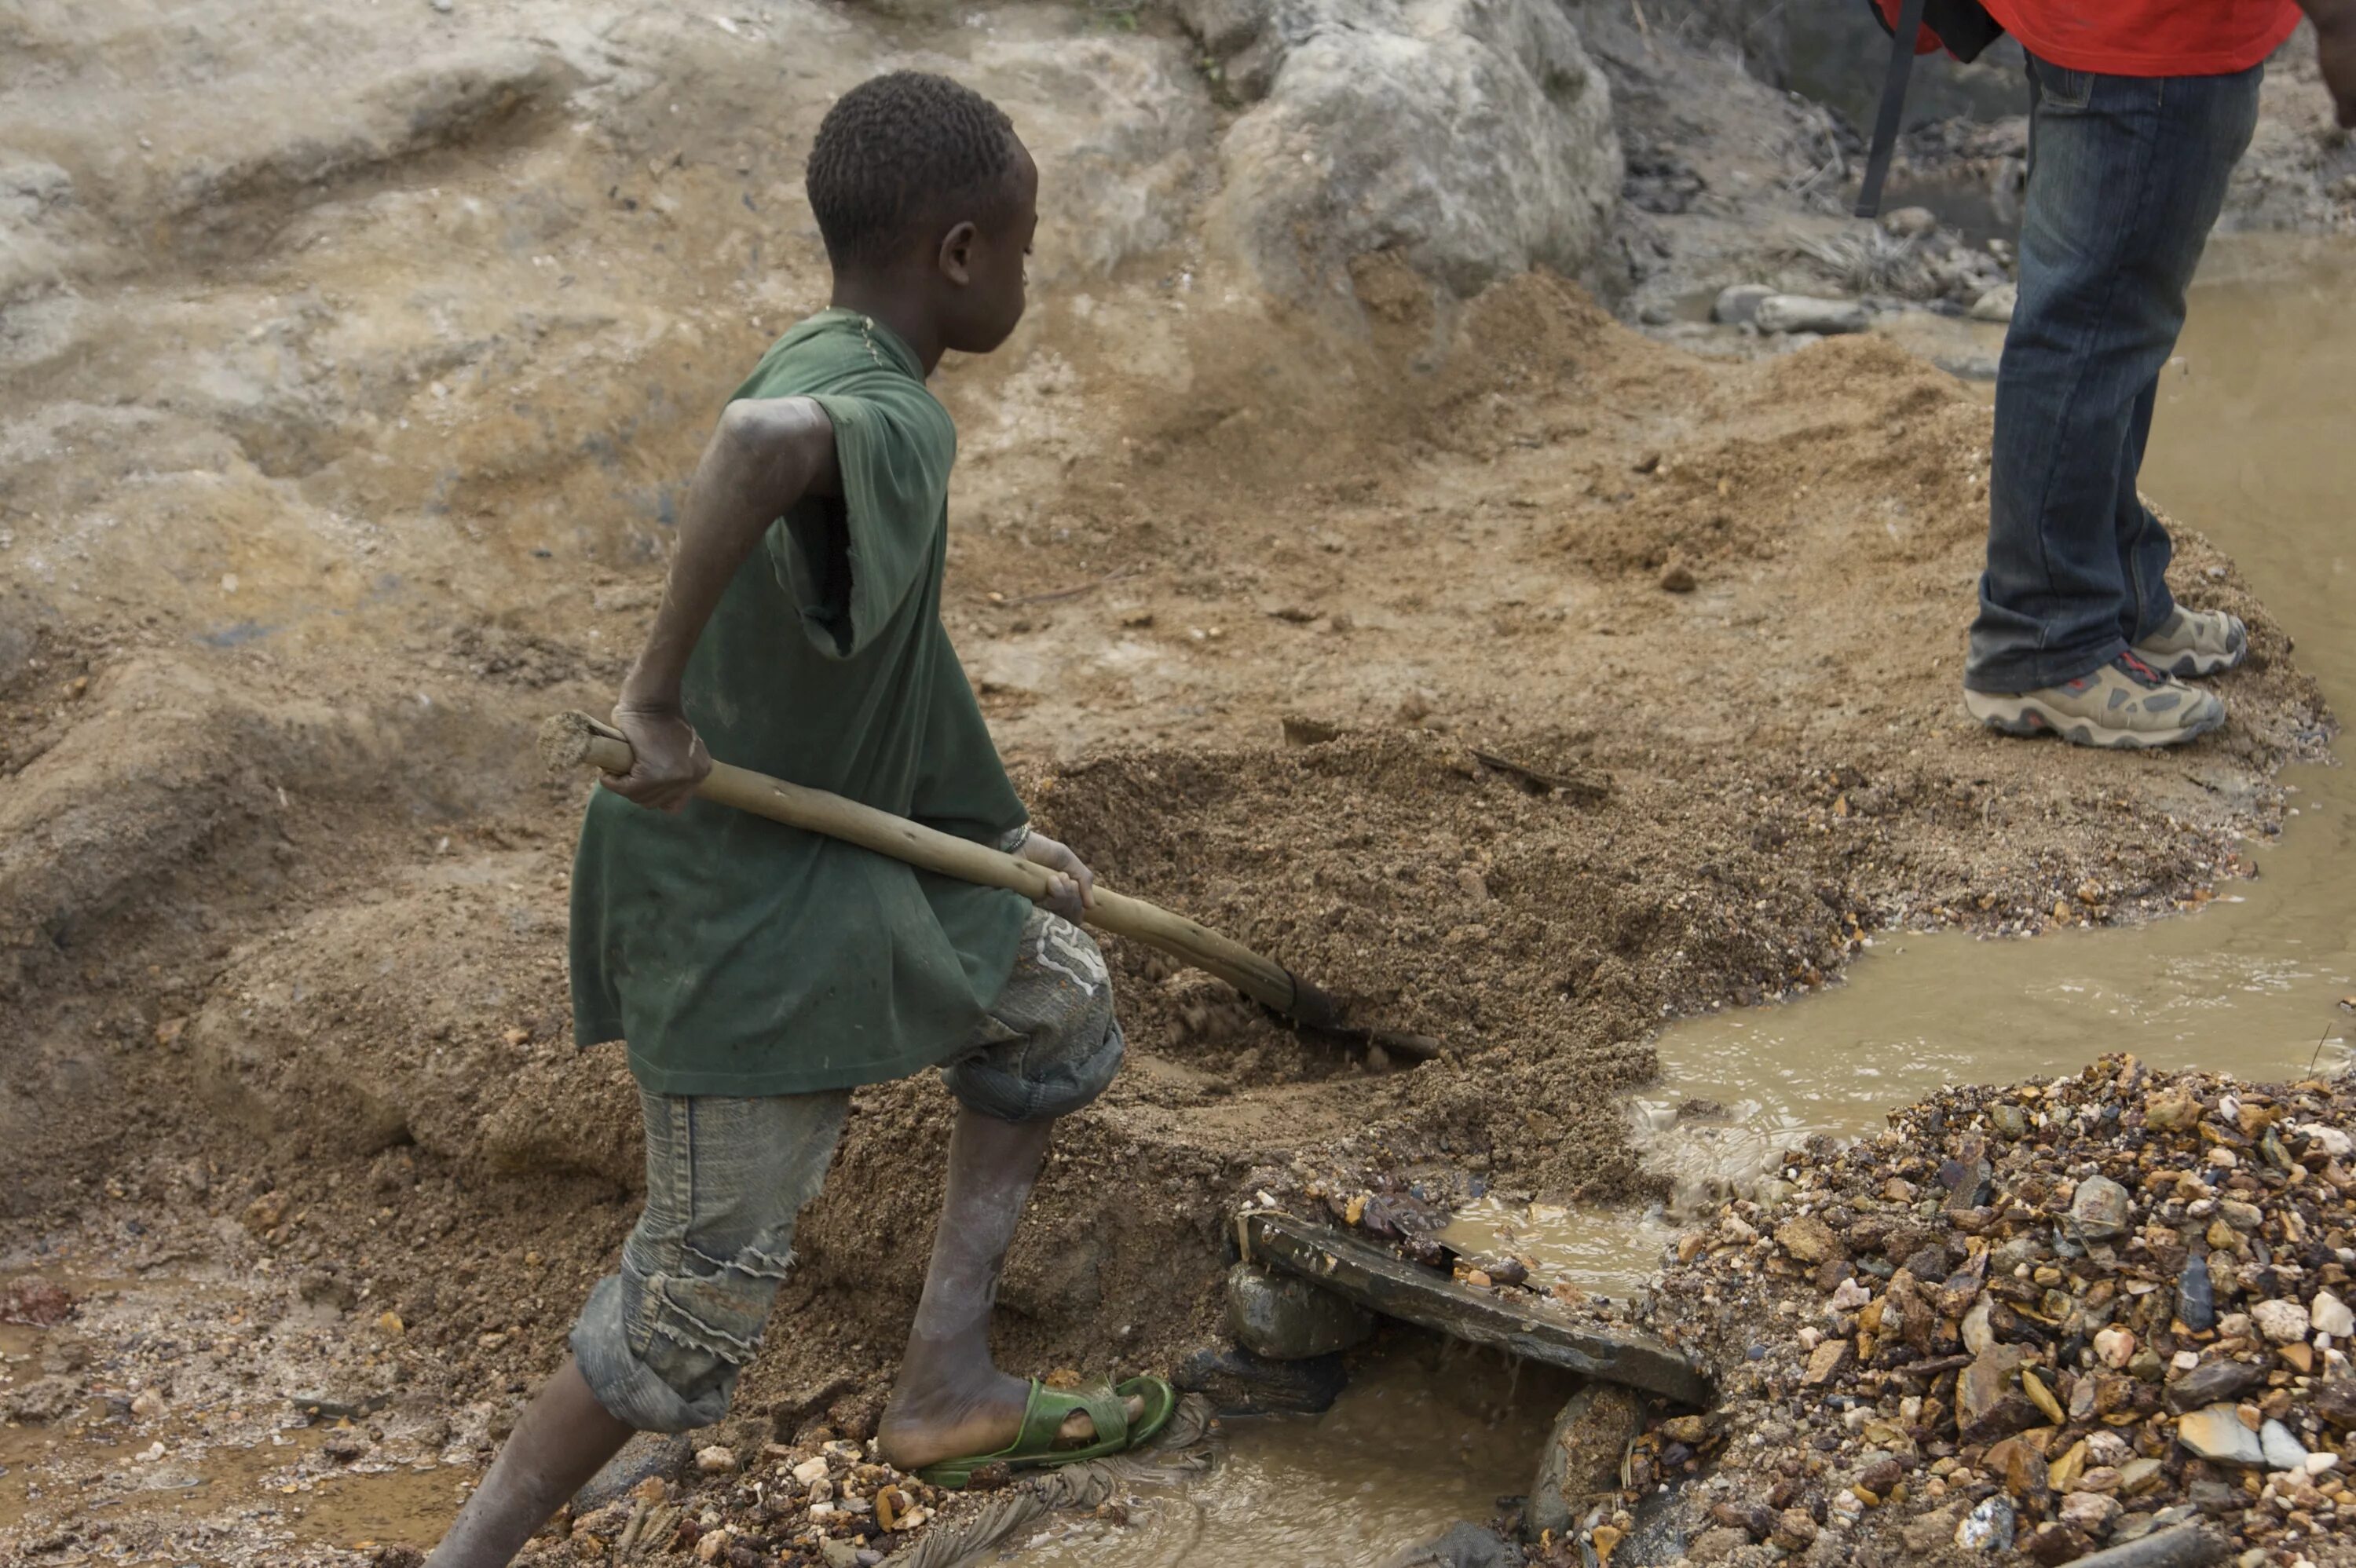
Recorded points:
(569,740)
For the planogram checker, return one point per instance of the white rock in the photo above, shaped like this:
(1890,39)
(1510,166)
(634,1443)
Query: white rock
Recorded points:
(1473,137)
(716,1460)
(2320,1463)
(2217,1433)
(1911,222)
(1853,1295)
(1798,312)
(810,1470)
(2330,1140)
(2115,1346)
(2284,1322)
(1998,303)
(2283,1451)
(2331,1316)
(1739,302)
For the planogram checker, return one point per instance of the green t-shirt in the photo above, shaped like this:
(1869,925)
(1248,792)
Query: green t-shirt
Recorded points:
(740,956)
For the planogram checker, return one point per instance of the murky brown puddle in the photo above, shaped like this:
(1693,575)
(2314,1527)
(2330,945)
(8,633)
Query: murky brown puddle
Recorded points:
(94,1466)
(2251,447)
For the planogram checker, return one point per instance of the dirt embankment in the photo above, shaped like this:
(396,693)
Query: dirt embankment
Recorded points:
(317,502)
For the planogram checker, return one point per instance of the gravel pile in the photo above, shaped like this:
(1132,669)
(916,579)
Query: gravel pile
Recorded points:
(2043,1319)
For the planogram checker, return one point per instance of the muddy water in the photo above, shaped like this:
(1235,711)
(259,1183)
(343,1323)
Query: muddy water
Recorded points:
(2252,446)
(1427,1434)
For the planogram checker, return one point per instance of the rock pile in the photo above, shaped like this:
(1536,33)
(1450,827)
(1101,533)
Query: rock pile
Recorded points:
(821,1505)
(2044,1319)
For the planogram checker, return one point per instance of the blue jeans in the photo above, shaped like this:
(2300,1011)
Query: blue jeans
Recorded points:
(2127,177)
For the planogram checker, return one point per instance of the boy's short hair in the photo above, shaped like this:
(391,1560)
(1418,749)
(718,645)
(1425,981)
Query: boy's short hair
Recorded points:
(895,150)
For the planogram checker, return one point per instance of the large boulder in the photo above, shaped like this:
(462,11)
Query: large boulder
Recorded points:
(1472,137)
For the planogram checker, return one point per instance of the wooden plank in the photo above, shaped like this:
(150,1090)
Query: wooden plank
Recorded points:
(1380,1281)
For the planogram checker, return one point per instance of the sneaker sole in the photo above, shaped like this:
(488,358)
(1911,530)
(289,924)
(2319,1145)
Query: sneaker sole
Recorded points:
(2027,716)
(2194,665)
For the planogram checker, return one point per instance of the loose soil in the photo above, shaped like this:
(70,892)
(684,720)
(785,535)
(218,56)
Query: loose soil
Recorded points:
(315,503)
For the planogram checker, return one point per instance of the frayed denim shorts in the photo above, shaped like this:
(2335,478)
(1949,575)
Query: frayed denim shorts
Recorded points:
(663,1340)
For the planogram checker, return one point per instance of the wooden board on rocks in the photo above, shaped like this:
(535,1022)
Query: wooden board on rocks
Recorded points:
(1373,1278)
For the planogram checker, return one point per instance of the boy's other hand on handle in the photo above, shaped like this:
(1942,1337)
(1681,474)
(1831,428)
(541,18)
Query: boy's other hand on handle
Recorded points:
(1072,890)
(671,760)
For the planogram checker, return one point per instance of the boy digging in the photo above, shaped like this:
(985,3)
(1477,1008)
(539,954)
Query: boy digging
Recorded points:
(759,973)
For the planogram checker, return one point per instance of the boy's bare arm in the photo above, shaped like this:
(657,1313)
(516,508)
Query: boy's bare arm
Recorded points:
(2334,34)
(767,455)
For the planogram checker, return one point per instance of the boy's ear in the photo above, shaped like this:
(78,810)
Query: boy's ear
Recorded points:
(956,253)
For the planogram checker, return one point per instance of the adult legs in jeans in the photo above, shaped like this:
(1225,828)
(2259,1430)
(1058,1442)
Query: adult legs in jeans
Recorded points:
(2127,176)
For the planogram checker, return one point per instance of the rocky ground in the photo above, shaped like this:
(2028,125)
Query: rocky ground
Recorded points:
(1305,540)
(2048,1318)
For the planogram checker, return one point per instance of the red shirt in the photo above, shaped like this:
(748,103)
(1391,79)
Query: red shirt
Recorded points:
(2149,38)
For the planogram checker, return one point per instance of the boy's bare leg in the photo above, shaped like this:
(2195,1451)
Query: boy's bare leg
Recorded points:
(565,1438)
(951,1400)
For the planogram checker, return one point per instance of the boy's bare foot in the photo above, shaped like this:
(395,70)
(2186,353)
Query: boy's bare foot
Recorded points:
(924,1429)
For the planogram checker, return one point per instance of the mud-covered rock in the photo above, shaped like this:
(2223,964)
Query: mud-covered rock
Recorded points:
(1472,137)
(1286,1319)
(1237,1383)
(1582,1456)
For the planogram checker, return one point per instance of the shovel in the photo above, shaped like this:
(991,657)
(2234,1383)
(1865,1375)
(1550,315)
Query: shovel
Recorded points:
(570,739)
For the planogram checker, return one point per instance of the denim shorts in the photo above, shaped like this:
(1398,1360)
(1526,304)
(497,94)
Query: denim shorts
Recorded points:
(663,1339)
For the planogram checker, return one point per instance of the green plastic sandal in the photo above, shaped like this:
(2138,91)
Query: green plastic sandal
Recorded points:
(1044,1415)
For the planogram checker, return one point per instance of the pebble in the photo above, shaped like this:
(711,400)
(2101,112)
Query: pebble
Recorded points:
(716,1460)
(2101,1208)
(1740,303)
(2331,1316)
(148,1406)
(1998,303)
(1802,314)
(1988,1528)
(2283,1451)
(2217,1433)
(809,1470)
(2284,1322)
(2115,1346)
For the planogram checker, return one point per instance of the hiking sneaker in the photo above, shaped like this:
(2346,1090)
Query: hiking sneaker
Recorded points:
(2196,643)
(2125,703)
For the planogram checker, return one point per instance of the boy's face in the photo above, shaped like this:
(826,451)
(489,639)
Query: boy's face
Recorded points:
(983,264)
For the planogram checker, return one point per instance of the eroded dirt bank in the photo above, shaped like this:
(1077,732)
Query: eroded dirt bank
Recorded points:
(349,390)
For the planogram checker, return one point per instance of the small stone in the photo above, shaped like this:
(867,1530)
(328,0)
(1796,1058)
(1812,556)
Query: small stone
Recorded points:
(1988,1528)
(1808,1239)
(2139,1474)
(2283,1451)
(2090,1511)
(810,1470)
(1799,313)
(2281,1321)
(1850,1294)
(1678,578)
(2041,1397)
(1911,222)
(1795,1530)
(2331,1316)
(1824,1361)
(390,1323)
(2196,1301)
(1739,302)
(445,7)
(2330,1140)
(2115,1346)
(2299,1359)
(2010,1120)
(2054,1544)
(1604,1536)
(2217,1433)
(2101,1208)
(1988,1401)
(1998,303)
(1979,1337)
(716,1460)
(1692,1431)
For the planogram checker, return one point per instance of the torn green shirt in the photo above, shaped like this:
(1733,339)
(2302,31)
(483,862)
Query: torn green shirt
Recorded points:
(737,955)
